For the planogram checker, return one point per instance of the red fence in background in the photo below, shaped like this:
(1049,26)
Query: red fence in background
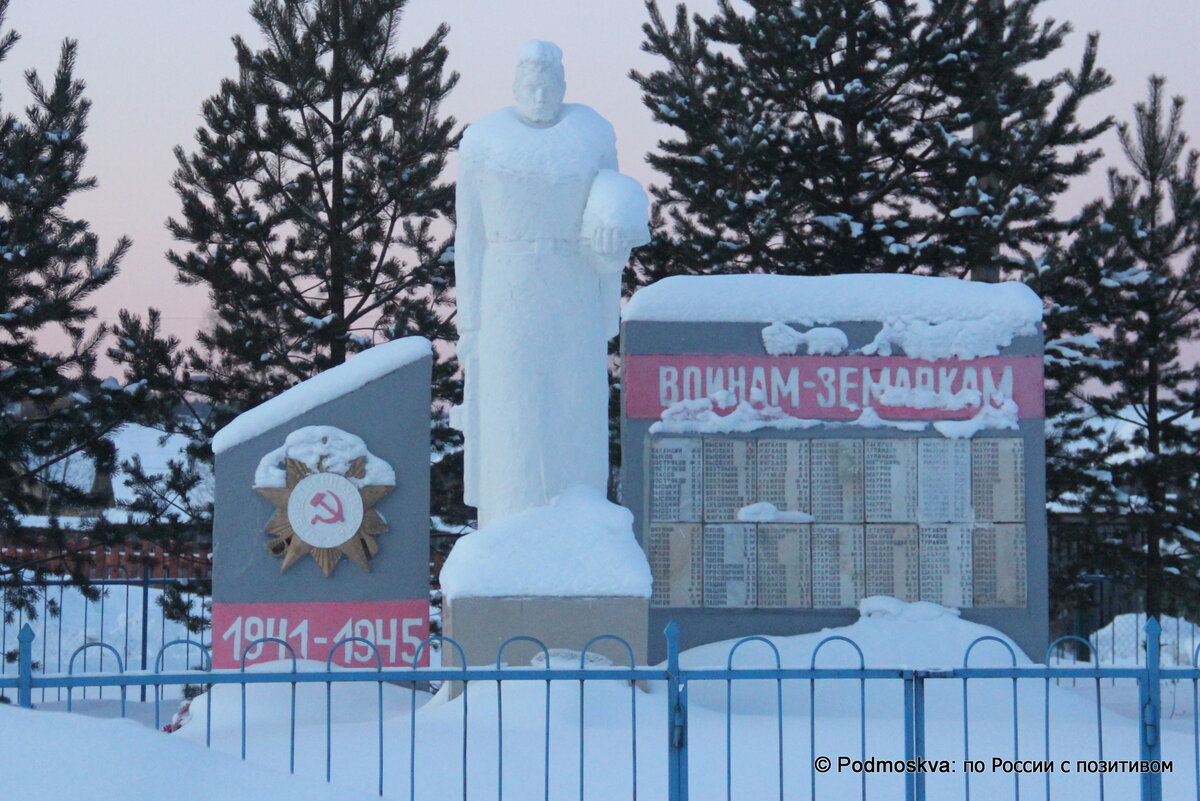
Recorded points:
(114,562)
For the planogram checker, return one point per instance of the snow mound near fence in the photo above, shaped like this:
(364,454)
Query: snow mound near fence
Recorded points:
(268,706)
(891,633)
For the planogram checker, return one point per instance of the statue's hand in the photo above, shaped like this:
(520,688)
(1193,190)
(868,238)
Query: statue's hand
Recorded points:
(614,242)
(605,240)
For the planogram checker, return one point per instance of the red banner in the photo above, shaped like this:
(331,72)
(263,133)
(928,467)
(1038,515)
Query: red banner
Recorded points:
(836,387)
(396,628)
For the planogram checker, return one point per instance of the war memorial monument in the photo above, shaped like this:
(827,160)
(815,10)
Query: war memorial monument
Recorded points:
(791,445)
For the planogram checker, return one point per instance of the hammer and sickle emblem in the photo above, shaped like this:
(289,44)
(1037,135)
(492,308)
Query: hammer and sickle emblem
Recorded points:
(335,513)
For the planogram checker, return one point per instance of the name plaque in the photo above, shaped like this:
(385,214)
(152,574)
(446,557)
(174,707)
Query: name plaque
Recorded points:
(783,473)
(892,563)
(784,565)
(998,565)
(891,479)
(730,566)
(676,557)
(837,480)
(729,477)
(998,480)
(676,483)
(944,481)
(945,557)
(837,565)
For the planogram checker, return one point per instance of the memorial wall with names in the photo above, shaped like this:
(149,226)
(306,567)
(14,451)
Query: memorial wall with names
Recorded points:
(793,444)
(924,518)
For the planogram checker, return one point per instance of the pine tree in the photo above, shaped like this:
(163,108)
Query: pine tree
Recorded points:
(1133,274)
(1079,444)
(53,409)
(861,136)
(310,208)
(309,201)
(831,136)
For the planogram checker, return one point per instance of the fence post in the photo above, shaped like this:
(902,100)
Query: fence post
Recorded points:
(914,733)
(25,667)
(1151,705)
(145,624)
(919,732)
(909,792)
(677,764)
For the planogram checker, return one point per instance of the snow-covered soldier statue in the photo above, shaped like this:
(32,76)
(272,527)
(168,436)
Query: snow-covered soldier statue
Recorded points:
(545,226)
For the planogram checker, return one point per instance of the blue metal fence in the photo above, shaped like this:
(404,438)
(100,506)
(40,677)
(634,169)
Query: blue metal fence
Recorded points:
(125,616)
(895,750)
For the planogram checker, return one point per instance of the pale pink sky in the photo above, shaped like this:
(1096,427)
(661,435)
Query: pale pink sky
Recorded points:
(149,64)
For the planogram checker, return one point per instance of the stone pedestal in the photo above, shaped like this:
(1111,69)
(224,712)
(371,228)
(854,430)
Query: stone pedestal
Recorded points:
(481,626)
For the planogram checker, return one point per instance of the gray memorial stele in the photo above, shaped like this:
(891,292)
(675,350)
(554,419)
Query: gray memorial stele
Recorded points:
(321,527)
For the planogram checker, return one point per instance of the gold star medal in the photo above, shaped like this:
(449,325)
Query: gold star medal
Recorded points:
(325,514)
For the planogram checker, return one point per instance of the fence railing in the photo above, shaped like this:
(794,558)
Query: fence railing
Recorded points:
(1123,640)
(126,617)
(726,731)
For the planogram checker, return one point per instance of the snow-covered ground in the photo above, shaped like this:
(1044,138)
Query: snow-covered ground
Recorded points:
(49,755)
(890,634)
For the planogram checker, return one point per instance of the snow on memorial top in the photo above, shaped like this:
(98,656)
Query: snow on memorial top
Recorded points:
(921,316)
(322,388)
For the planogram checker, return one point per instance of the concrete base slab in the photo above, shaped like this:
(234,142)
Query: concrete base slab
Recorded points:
(481,626)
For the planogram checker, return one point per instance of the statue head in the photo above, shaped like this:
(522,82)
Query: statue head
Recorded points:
(539,85)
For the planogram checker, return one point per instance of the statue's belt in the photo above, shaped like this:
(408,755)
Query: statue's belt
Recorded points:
(538,247)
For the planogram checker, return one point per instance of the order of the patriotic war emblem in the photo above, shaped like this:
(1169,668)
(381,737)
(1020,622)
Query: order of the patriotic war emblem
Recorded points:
(326,515)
